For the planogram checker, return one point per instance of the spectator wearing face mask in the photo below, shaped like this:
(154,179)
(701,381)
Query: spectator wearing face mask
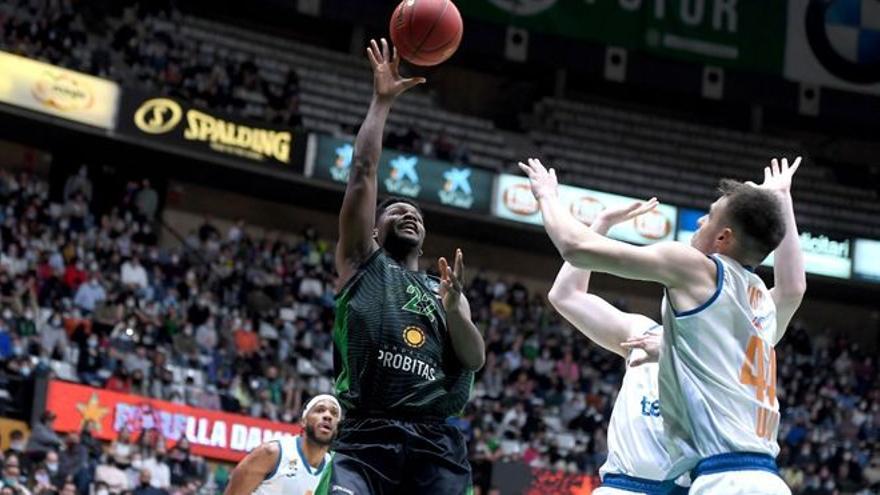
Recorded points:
(246,341)
(155,462)
(53,337)
(146,201)
(74,457)
(89,294)
(78,184)
(12,475)
(17,443)
(75,275)
(91,361)
(43,438)
(53,467)
(145,486)
(41,481)
(112,473)
(133,275)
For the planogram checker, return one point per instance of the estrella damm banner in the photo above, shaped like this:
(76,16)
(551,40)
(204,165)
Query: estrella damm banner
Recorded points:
(747,34)
(179,124)
(57,91)
(406,174)
(213,434)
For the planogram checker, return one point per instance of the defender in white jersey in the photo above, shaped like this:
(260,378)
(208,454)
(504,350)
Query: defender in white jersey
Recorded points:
(637,458)
(291,465)
(718,383)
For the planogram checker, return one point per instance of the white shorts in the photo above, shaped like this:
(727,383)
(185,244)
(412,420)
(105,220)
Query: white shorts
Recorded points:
(635,486)
(755,482)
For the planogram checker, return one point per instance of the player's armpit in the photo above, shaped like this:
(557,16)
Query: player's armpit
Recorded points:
(253,469)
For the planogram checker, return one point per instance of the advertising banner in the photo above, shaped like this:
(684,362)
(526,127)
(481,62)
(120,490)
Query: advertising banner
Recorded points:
(516,478)
(178,124)
(514,201)
(834,43)
(212,434)
(405,174)
(822,255)
(866,262)
(56,91)
(746,34)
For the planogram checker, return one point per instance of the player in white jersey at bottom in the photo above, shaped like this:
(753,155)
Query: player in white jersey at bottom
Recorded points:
(717,365)
(291,465)
(637,458)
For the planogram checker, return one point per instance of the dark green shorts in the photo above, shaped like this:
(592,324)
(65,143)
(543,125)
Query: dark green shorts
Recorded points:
(387,457)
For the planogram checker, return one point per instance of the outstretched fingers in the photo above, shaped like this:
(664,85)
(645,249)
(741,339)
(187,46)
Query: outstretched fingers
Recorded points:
(386,54)
(795,165)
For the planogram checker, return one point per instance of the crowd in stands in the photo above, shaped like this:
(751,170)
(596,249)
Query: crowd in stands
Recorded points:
(230,322)
(139,45)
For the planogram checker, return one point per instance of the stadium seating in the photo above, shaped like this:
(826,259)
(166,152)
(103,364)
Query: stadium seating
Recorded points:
(526,404)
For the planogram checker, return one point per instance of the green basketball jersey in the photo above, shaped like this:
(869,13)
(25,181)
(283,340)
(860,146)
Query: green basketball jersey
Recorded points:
(393,355)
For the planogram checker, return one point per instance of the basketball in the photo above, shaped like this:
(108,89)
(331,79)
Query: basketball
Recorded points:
(426,32)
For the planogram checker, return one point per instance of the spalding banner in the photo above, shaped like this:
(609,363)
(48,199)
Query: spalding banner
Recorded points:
(176,123)
(56,91)
(212,434)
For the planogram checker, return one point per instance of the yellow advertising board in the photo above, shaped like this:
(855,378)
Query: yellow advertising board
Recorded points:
(56,91)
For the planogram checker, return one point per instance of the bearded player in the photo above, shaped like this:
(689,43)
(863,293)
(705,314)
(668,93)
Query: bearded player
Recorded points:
(638,461)
(291,465)
(721,323)
(406,349)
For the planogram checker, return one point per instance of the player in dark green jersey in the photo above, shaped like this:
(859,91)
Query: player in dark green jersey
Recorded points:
(406,349)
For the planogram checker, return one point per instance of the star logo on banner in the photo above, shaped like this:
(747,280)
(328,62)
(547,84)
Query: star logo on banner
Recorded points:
(92,411)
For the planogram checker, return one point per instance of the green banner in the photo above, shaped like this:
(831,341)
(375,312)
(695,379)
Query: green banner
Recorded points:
(747,34)
(404,174)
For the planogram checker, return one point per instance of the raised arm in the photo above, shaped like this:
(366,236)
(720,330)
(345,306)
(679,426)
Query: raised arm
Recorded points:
(601,322)
(357,217)
(688,273)
(253,469)
(789,276)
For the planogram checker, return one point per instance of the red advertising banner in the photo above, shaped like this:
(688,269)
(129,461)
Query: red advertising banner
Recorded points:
(212,434)
(517,478)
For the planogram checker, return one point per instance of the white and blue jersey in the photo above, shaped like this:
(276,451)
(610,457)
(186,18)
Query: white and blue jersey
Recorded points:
(637,458)
(292,474)
(718,374)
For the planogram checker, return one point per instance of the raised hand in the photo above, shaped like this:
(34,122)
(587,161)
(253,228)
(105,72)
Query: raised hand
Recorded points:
(387,82)
(451,280)
(778,176)
(610,217)
(645,348)
(543,181)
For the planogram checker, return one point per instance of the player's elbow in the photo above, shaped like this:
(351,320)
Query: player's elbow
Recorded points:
(794,291)
(475,362)
(578,254)
(556,296)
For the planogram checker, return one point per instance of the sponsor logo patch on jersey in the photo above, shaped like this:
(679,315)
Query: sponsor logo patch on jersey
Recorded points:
(414,337)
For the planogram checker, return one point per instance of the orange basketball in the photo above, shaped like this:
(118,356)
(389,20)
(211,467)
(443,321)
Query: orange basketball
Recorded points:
(426,32)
